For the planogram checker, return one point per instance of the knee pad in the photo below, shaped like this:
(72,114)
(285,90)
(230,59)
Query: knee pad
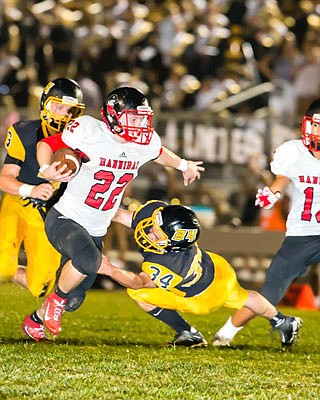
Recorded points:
(88,260)
(75,299)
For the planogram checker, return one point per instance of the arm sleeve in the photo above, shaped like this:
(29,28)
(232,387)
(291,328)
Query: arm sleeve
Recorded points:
(55,142)
(160,152)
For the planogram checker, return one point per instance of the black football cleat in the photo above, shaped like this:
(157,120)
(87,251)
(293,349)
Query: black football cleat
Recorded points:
(188,339)
(288,328)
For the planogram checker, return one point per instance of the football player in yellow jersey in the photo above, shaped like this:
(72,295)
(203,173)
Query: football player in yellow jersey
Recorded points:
(179,276)
(26,196)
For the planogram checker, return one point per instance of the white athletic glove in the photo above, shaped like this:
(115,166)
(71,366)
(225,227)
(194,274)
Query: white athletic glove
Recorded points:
(266,198)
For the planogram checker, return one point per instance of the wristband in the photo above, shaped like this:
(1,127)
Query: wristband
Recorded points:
(25,190)
(43,168)
(183,166)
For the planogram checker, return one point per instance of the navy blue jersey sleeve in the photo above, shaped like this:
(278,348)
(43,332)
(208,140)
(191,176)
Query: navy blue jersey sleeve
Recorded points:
(12,160)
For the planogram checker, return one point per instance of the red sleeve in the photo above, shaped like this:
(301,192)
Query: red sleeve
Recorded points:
(161,151)
(55,142)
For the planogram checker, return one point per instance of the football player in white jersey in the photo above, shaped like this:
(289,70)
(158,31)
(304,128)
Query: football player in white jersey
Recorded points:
(296,162)
(113,150)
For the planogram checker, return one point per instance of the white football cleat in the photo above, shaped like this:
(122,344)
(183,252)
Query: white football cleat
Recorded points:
(221,341)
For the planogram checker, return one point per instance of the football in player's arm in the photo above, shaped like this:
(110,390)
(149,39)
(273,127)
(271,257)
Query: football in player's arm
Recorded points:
(113,150)
(178,276)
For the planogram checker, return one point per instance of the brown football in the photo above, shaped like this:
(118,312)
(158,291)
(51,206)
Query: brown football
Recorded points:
(69,157)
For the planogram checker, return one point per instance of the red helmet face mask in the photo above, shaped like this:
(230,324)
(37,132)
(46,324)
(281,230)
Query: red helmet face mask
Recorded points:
(310,140)
(128,115)
(133,125)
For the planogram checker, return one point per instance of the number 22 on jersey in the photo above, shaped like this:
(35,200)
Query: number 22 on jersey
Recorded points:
(99,197)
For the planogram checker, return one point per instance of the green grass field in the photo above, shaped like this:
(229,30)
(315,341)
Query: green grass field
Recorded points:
(110,349)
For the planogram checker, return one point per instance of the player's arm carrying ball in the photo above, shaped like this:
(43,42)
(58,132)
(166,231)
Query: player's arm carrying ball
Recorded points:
(70,158)
(57,161)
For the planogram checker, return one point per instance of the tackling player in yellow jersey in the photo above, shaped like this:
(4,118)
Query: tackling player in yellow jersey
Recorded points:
(26,196)
(179,276)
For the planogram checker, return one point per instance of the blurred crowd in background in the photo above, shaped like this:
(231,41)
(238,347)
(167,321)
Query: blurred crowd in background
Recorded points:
(185,55)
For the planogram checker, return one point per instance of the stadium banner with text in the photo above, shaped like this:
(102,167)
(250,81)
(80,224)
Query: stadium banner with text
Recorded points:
(226,143)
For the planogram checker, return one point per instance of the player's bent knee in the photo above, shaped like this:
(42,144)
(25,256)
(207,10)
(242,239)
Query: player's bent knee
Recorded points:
(88,261)
(6,276)
(8,268)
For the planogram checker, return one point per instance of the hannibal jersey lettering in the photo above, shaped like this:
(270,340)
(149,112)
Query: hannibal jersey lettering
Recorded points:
(185,273)
(293,160)
(94,194)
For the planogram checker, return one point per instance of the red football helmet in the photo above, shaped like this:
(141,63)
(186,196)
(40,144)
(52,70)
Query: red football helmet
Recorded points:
(312,118)
(127,113)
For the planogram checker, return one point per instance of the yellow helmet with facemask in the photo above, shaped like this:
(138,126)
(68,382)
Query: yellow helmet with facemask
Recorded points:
(61,92)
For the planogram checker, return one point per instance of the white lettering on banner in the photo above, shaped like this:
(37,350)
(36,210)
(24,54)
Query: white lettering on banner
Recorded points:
(206,143)
(191,145)
(214,145)
(197,141)
(245,143)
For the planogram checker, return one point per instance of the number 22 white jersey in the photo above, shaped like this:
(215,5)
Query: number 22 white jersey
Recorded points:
(93,196)
(293,160)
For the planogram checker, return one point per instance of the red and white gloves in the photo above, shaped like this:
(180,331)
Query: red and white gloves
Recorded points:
(266,198)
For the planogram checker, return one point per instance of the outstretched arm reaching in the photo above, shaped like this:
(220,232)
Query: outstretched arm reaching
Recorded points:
(125,278)
(190,169)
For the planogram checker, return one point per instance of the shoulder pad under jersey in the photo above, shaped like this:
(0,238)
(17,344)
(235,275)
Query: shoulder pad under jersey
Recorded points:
(284,156)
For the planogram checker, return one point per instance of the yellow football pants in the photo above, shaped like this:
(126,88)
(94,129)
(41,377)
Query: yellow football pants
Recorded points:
(24,224)
(225,290)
